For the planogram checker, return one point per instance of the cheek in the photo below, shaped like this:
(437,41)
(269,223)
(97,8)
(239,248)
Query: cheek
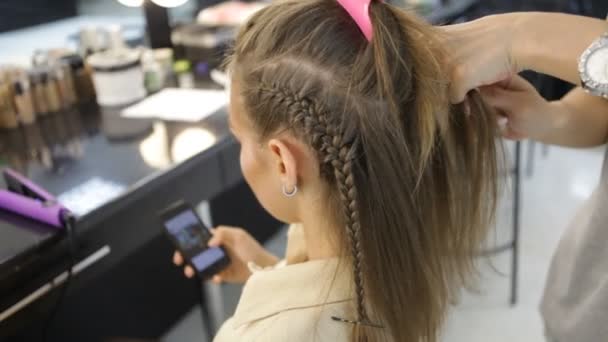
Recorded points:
(264,183)
(249,164)
(256,171)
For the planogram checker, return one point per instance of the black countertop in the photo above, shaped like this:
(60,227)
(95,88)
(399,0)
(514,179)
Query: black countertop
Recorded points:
(98,163)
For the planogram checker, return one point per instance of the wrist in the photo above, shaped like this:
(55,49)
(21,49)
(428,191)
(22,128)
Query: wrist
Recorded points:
(555,117)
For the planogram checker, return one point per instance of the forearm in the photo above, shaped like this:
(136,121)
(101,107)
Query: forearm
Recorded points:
(551,43)
(578,120)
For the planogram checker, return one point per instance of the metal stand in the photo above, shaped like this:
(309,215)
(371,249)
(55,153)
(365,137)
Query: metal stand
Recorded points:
(516,218)
(513,245)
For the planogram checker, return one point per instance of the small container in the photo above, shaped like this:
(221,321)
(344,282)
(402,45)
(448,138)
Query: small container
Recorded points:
(164,57)
(8,115)
(84,81)
(24,102)
(153,73)
(116,40)
(81,79)
(52,94)
(91,40)
(118,77)
(65,84)
(202,43)
(183,72)
(38,81)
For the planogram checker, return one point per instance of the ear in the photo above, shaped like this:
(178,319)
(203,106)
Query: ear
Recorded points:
(285,161)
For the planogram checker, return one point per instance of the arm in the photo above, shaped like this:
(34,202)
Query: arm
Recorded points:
(577,120)
(581,121)
(551,43)
(494,48)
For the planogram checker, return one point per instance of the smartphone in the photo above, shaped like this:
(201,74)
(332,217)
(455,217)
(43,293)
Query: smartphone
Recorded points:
(190,236)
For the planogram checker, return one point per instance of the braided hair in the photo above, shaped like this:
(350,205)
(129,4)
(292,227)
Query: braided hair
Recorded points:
(336,153)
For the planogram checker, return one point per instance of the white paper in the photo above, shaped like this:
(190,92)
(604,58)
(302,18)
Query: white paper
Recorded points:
(173,104)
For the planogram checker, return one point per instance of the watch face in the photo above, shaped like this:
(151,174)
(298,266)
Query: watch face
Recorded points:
(596,67)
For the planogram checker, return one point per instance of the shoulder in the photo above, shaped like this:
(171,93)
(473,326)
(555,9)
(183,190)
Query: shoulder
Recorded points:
(310,324)
(315,323)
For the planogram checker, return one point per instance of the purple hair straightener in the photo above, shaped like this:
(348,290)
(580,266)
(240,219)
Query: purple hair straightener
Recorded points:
(25,198)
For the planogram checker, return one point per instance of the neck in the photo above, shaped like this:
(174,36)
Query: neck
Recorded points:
(317,229)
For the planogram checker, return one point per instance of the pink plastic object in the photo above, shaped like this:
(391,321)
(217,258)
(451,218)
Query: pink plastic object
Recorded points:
(359,11)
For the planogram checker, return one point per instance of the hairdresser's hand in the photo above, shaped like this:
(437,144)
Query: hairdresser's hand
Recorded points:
(242,248)
(480,53)
(524,113)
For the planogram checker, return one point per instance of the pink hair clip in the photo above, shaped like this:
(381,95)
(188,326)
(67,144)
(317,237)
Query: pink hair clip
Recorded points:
(359,11)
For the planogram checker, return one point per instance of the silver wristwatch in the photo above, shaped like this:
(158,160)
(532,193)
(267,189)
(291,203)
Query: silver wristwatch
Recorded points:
(593,67)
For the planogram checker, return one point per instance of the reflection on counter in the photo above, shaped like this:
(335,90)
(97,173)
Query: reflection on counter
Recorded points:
(51,141)
(155,148)
(159,149)
(90,195)
(189,142)
(58,139)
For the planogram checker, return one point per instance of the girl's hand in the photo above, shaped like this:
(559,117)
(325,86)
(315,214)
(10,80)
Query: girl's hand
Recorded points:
(524,113)
(241,247)
(480,53)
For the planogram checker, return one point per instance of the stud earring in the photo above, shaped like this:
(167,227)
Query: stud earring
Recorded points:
(290,193)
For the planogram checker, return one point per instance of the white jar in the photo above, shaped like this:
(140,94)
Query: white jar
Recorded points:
(118,77)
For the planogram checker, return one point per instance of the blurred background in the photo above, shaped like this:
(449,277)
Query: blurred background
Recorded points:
(117,108)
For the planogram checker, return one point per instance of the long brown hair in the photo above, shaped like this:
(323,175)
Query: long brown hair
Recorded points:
(412,178)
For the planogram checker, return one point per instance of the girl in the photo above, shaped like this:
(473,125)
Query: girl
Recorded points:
(347,130)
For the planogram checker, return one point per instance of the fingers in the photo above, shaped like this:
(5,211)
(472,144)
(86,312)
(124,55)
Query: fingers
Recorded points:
(518,83)
(189,272)
(217,279)
(498,98)
(506,83)
(224,235)
(219,237)
(464,81)
(503,101)
(503,123)
(178,260)
(505,129)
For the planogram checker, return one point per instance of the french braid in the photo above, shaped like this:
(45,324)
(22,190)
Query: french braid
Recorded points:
(337,153)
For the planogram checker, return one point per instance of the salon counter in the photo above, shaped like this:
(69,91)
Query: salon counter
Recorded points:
(116,173)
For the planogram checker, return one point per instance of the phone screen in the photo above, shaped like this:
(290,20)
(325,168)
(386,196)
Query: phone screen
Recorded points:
(192,238)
